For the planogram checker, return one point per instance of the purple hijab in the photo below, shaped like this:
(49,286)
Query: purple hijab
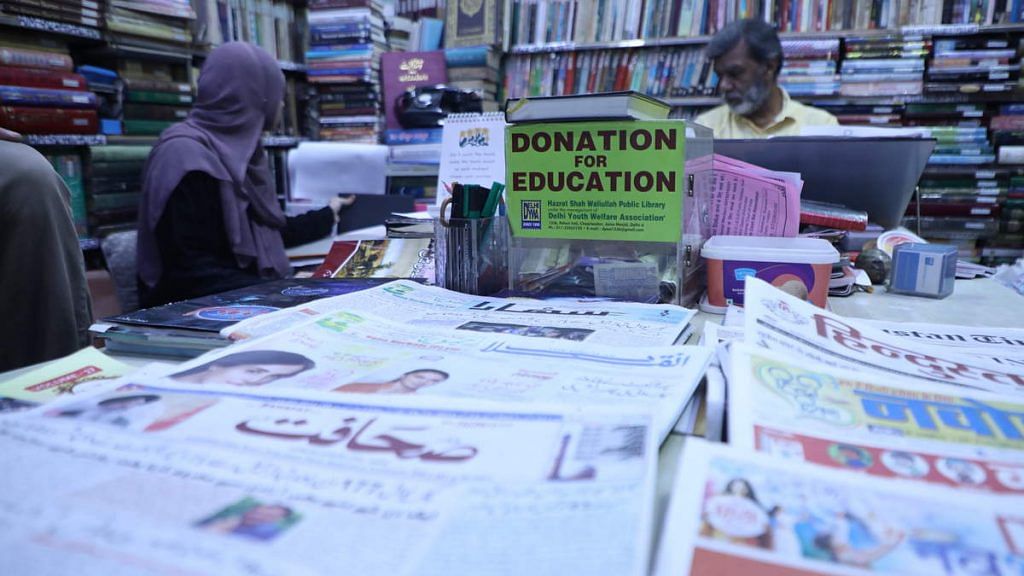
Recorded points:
(240,91)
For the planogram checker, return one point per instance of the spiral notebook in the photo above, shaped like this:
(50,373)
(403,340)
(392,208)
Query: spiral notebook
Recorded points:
(472,151)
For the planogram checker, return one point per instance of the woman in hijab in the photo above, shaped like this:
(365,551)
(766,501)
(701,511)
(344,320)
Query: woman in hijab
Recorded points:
(209,220)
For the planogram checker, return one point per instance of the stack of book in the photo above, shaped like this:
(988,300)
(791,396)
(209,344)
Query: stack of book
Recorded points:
(809,67)
(1008,137)
(1007,244)
(883,66)
(156,96)
(188,328)
(398,34)
(475,69)
(961,145)
(39,93)
(114,177)
(659,72)
(1008,133)
(269,23)
(85,13)
(955,199)
(156,24)
(887,114)
(69,166)
(109,91)
(973,64)
(345,44)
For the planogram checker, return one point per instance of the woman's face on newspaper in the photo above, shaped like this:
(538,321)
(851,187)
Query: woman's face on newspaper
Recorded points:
(251,374)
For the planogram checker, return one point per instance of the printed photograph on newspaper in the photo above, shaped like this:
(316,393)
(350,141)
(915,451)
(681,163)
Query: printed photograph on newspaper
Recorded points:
(352,352)
(738,512)
(883,426)
(780,322)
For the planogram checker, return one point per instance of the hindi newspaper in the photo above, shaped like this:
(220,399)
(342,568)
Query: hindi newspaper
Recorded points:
(738,512)
(882,426)
(780,322)
(350,351)
(406,302)
(1001,345)
(327,483)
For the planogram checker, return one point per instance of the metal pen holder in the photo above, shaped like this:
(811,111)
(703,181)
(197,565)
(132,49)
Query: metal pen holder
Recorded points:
(471,254)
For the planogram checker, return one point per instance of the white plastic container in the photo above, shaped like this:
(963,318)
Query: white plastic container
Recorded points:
(799,266)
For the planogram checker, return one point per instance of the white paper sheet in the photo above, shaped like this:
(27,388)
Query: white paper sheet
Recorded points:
(319,171)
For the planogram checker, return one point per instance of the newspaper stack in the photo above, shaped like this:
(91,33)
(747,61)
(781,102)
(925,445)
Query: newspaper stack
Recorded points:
(855,446)
(402,429)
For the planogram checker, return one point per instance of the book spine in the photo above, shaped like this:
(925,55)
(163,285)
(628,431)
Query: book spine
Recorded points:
(23,96)
(34,59)
(39,78)
(148,97)
(69,167)
(29,120)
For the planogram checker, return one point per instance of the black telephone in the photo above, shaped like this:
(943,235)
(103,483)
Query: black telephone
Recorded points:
(427,106)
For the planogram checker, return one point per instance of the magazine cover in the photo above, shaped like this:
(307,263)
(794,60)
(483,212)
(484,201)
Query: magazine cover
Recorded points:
(391,258)
(213,313)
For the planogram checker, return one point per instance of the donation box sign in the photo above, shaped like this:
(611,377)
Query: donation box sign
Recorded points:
(596,180)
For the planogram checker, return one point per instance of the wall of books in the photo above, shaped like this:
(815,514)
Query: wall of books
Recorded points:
(959,84)
(99,73)
(94,83)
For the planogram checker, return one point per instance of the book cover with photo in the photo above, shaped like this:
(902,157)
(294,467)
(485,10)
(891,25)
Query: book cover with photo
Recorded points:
(391,258)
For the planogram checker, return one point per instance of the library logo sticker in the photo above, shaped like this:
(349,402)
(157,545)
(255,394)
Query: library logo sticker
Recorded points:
(474,137)
(531,214)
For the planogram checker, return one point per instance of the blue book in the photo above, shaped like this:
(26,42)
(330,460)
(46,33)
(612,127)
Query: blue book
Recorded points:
(399,137)
(343,48)
(470,56)
(96,71)
(430,35)
(48,97)
(357,71)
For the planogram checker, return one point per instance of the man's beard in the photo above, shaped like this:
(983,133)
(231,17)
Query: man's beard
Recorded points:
(750,101)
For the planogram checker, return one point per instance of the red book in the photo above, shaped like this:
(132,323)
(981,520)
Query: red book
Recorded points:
(570,74)
(400,71)
(48,120)
(41,78)
(621,75)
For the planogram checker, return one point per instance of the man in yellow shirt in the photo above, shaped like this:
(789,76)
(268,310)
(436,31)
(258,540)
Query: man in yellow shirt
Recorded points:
(747,58)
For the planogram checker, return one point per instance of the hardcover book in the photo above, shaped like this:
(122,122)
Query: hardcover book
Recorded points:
(605,106)
(473,23)
(403,70)
(215,312)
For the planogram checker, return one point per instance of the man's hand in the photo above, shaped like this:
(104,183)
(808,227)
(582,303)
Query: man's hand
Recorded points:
(339,202)
(9,135)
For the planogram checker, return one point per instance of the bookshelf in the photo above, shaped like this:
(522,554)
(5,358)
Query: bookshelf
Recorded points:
(277,26)
(969,198)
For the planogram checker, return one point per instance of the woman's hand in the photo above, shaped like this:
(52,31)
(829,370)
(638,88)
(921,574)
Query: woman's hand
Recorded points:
(9,135)
(339,202)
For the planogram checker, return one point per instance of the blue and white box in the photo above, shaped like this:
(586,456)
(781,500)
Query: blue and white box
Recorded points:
(923,269)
